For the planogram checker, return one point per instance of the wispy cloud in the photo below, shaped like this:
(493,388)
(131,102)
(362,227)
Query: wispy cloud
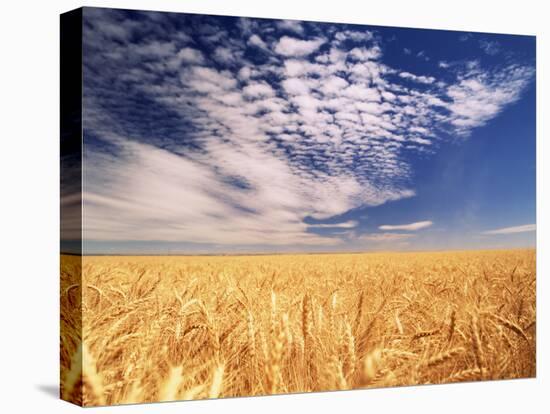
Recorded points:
(491,47)
(422,55)
(421,79)
(407,227)
(479,96)
(290,25)
(257,41)
(512,230)
(345,225)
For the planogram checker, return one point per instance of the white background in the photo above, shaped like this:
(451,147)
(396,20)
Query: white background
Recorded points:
(29,211)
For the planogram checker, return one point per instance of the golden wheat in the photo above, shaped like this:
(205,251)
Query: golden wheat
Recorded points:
(143,329)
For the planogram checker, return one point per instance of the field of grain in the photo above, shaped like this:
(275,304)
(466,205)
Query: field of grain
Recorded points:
(171,328)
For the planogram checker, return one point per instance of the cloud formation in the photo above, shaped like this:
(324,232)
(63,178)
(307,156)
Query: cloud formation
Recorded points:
(512,230)
(222,130)
(479,96)
(345,225)
(407,227)
(290,46)
(491,47)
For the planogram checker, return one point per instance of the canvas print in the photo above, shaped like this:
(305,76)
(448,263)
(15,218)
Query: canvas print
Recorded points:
(260,206)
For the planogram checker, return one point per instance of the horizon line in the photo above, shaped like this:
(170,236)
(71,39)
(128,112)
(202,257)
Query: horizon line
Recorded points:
(141,254)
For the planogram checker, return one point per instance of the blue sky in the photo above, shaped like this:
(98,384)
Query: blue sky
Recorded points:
(207,134)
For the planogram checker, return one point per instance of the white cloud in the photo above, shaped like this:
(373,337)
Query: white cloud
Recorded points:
(143,199)
(407,227)
(363,54)
(245,73)
(257,41)
(224,55)
(289,46)
(290,25)
(301,67)
(420,79)
(345,225)
(356,36)
(388,96)
(190,55)
(512,230)
(258,90)
(479,96)
(361,92)
(207,80)
(421,141)
(334,85)
(295,86)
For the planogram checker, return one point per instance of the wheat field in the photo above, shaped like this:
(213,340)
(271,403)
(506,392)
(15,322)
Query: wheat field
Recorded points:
(145,329)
